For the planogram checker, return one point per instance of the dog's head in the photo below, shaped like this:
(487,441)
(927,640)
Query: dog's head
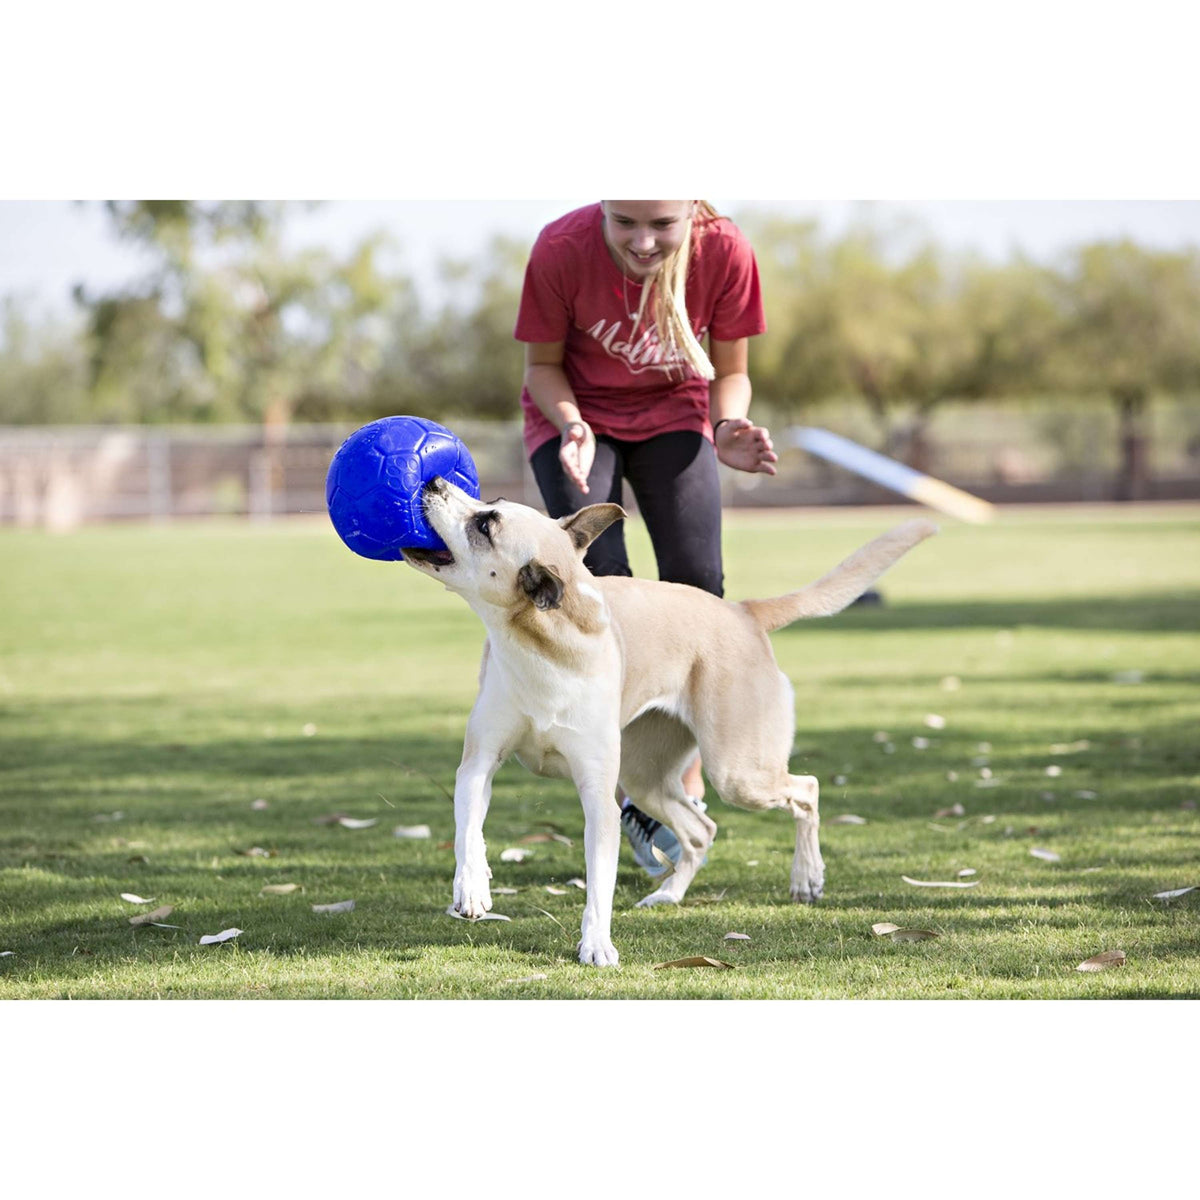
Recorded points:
(507,556)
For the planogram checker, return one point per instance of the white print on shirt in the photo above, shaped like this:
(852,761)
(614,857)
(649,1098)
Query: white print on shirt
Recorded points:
(646,354)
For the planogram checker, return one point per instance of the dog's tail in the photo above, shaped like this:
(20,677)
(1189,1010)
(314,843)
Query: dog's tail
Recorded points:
(845,583)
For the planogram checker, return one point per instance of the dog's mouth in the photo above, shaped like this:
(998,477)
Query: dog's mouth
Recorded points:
(430,558)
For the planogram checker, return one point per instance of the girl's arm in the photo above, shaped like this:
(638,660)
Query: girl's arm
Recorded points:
(546,382)
(739,442)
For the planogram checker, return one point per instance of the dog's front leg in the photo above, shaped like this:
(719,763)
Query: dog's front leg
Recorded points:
(601,844)
(472,792)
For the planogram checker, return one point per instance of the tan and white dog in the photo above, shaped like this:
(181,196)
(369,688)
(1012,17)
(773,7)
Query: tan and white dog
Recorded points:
(607,680)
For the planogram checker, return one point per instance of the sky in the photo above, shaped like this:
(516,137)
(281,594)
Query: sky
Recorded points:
(48,246)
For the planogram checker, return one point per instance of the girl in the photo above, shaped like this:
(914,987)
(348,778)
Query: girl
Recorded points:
(617,302)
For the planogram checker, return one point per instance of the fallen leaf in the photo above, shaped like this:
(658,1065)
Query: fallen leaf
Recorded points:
(736,937)
(951,683)
(6,953)
(1085,795)
(279,889)
(847,819)
(880,736)
(357,822)
(225,935)
(1090,870)
(700,960)
(339,907)
(1054,770)
(1045,855)
(554,891)
(984,747)
(966,872)
(883,927)
(920,743)
(933,721)
(1176,893)
(259,805)
(752,862)
(255,852)
(951,883)
(988,820)
(955,810)
(839,781)
(532,839)
(133,899)
(504,891)
(412,831)
(912,935)
(985,772)
(526,979)
(160,925)
(151,918)
(512,854)
(952,776)
(445,845)
(137,858)
(309,729)
(1101,962)
(329,819)
(487,916)
(579,883)
(1070,747)
(562,839)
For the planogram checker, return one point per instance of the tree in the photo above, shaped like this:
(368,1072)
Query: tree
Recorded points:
(1128,329)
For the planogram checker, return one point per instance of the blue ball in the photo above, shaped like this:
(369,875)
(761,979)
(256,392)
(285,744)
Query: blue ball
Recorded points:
(376,478)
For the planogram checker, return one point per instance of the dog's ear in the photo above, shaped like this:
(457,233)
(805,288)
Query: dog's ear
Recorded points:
(542,584)
(589,523)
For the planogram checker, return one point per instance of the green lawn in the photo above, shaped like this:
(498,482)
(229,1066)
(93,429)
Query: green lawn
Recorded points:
(174,675)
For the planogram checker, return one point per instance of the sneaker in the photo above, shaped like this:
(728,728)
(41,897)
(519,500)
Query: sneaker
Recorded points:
(644,832)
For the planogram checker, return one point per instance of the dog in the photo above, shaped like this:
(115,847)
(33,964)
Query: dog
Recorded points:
(607,680)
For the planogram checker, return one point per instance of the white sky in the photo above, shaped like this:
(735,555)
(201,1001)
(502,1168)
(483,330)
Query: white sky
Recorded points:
(47,246)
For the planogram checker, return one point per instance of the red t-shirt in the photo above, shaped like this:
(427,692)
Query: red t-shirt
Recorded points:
(574,293)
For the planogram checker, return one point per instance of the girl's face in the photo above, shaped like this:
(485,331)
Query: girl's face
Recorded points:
(642,233)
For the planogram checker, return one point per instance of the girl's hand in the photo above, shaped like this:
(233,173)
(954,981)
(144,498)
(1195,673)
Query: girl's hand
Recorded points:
(577,452)
(745,446)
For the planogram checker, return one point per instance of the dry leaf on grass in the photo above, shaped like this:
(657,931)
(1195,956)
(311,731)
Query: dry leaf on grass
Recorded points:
(340,907)
(259,805)
(942,883)
(955,810)
(921,743)
(504,891)
(933,721)
(847,819)
(966,872)
(224,936)
(556,891)
(280,889)
(1101,962)
(357,822)
(488,916)
(329,819)
(526,979)
(883,927)
(131,898)
(1070,747)
(579,883)
(1175,894)
(1054,770)
(736,937)
(256,852)
(513,854)
(699,960)
(6,953)
(1045,855)
(152,918)
(412,831)
(912,935)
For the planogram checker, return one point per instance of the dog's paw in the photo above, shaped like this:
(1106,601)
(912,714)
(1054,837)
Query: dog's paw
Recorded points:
(808,890)
(659,897)
(472,896)
(597,952)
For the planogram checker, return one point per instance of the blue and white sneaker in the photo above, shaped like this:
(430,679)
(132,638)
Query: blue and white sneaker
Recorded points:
(645,834)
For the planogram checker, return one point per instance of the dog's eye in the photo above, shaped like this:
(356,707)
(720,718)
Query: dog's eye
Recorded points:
(484,522)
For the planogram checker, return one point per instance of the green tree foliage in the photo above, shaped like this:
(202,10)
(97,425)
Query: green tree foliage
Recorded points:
(1129,327)
(43,376)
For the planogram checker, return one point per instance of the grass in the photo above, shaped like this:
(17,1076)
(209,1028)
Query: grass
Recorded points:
(176,674)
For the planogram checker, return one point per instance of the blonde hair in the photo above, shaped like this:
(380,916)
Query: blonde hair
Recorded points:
(669,285)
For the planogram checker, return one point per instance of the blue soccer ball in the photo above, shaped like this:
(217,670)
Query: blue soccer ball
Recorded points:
(376,478)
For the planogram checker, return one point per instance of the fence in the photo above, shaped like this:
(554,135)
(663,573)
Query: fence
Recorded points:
(60,477)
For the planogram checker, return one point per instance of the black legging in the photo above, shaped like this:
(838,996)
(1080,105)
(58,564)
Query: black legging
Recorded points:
(674,478)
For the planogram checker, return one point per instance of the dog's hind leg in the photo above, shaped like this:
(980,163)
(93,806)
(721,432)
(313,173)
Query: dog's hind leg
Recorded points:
(655,750)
